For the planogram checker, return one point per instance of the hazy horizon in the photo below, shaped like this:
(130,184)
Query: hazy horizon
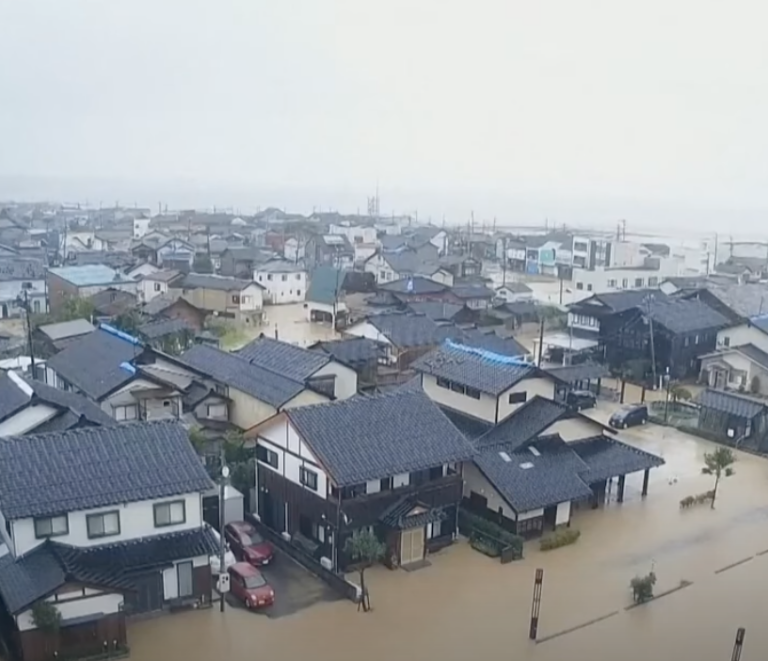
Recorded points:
(579,113)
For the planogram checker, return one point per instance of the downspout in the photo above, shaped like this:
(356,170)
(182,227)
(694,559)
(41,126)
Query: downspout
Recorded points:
(337,536)
(496,417)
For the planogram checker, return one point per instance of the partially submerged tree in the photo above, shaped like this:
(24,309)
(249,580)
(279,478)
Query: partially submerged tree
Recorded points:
(679,393)
(718,463)
(642,587)
(366,550)
(47,618)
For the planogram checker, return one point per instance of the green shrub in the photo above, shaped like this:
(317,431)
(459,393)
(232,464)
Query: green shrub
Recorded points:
(562,537)
(469,523)
(642,587)
(484,545)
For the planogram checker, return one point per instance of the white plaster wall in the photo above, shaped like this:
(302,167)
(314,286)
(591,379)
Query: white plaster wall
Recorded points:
(171,576)
(103,603)
(483,408)
(246,411)
(535,386)
(136,521)
(530,514)
(149,289)
(475,481)
(563,514)
(255,299)
(291,290)
(740,335)
(305,398)
(574,429)
(346,379)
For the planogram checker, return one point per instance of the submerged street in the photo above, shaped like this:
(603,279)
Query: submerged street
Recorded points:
(465,604)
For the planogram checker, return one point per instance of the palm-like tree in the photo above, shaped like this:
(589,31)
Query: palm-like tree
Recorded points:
(718,463)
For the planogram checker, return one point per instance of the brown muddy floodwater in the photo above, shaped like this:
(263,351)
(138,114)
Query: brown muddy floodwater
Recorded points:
(467,606)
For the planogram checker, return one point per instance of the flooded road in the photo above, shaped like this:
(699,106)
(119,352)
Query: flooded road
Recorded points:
(288,323)
(466,605)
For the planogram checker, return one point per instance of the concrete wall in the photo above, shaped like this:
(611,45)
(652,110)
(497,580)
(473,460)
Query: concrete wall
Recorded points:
(483,408)
(105,603)
(345,385)
(740,335)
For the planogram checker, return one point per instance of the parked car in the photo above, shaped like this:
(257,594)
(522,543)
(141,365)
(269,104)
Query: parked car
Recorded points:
(247,544)
(629,416)
(229,557)
(580,399)
(249,585)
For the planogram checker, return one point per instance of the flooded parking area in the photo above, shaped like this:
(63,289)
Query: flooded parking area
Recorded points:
(466,604)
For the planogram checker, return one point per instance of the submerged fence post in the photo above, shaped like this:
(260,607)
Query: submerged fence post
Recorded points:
(738,644)
(536,604)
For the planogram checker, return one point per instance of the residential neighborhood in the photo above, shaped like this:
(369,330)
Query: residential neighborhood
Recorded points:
(266,392)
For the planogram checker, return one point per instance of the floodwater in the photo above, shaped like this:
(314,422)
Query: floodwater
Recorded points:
(465,605)
(289,323)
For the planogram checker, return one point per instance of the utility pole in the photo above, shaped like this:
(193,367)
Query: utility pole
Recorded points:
(648,300)
(223,575)
(541,341)
(504,262)
(24,302)
(738,644)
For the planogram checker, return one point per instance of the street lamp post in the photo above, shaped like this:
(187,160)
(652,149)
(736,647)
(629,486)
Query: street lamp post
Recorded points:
(223,583)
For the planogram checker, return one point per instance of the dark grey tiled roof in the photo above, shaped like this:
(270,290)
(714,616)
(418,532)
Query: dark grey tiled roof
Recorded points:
(283,358)
(67,329)
(367,438)
(529,481)
(92,363)
(396,516)
(528,421)
(746,300)
(72,402)
(355,352)
(729,402)
(218,282)
(472,291)
(163,327)
(483,372)
(160,303)
(37,574)
(418,284)
(686,316)
(408,261)
(619,301)
(45,474)
(12,399)
(472,428)
(436,310)
(412,330)
(265,385)
(505,346)
(760,322)
(606,457)
(571,373)
(17,268)
(754,353)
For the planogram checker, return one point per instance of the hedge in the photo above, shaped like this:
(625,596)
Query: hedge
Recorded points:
(562,537)
(468,523)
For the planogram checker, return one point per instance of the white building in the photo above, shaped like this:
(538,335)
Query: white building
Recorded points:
(154,284)
(283,281)
(365,234)
(18,276)
(114,514)
(639,277)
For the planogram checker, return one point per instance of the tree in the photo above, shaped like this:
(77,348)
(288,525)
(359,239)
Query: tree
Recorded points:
(642,587)
(128,322)
(718,463)
(679,393)
(366,550)
(198,439)
(47,618)
(202,264)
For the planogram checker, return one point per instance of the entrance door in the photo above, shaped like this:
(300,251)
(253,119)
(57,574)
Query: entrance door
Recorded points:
(411,546)
(147,595)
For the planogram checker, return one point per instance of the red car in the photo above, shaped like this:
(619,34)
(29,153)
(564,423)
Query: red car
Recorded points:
(247,544)
(249,585)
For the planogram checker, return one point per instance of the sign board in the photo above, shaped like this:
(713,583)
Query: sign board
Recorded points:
(222,585)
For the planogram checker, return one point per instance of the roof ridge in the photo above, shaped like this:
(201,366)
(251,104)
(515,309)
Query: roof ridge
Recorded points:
(94,430)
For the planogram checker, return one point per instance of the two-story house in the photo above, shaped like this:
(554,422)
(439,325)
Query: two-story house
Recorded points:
(100,522)
(106,366)
(242,300)
(155,284)
(65,282)
(20,277)
(283,281)
(390,463)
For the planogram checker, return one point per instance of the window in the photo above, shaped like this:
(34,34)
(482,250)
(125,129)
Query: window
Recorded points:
(236,299)
(103,524)
(184,579)
(245,300)
(267,456)
(52,526)
(726,341)
(434,529)
(298,292)
(269,276)
(307,527)
(624,283)
(129,412)
(308,478)
(169,514)
(589,287)
(518,397)
(298,276)
(696,339)
(457,387)
(157,286)
(386,484)
(579,285)
(471,392)
(638,282)
(612,283)
(653,281)
(284,278)
(443,383)
(530,525)
(261,278)
(216,411)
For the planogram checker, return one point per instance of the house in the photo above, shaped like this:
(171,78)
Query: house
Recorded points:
(283,281)
(474,296)
(155,284)
(162,250)
(406,262)
(19,278)
(242,300)
(648,274)
(52,338)
(585,315)
(325,300)
(173,306)
(737,302)
(330,250)
(173,336)
(734,419)
(110,303)
(743,368)
(456,313)
(413,289)
(358,353)
(529,479)
(318,370)
(512,292)
(29,406)
(106,366)
(241,261)
(110,523)
(142,269)
(479,383)
(462,266)
(65,282)
(683,331)
(390,463)
(404,336)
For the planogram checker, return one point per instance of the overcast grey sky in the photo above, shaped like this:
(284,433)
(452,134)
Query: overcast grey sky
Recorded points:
(572,109)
